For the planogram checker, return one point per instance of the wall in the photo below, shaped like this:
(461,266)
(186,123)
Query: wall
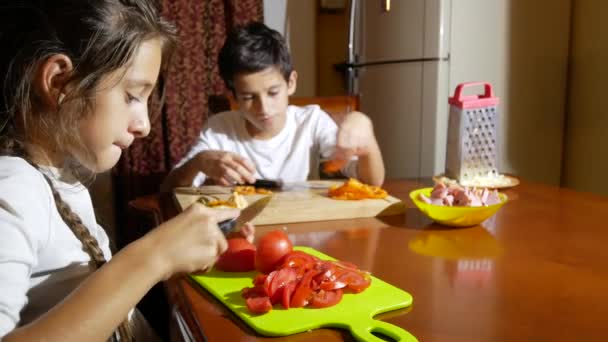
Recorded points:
(586,162)
(332,39)
(301,30)
(521,47)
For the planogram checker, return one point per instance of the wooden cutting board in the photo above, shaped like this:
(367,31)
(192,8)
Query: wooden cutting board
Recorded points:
(355,312)
(302,204)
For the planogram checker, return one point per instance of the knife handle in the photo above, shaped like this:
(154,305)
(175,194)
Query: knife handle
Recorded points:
(227,226)
(267,183)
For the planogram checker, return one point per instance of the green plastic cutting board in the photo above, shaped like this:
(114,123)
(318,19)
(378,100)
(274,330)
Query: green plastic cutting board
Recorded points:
(355,312)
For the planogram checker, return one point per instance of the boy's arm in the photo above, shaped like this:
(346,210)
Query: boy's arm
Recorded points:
(223,167)
(183,175)
(370,167)
(356,137)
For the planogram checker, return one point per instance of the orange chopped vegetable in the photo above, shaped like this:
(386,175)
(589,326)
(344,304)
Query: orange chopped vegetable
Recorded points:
(251,190)
(353,189)
(334,165)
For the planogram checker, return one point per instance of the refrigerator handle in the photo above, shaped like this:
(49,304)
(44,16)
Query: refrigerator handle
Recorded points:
(351,59)
(351,31)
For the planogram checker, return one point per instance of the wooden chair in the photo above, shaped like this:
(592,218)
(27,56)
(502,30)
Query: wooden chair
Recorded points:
(335,106)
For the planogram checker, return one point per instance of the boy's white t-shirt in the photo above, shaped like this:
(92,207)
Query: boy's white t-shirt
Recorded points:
(41,260)
(292,155)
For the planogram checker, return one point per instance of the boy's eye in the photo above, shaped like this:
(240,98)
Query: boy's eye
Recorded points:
(273,93)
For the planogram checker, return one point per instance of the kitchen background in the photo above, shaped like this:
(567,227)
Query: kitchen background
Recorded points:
(546,60)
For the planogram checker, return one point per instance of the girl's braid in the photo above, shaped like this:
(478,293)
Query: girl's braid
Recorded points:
(91,246)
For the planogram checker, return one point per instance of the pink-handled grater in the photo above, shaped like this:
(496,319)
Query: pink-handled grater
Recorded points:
(472,149)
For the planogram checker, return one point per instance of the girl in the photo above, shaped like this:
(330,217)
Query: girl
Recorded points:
(77,75)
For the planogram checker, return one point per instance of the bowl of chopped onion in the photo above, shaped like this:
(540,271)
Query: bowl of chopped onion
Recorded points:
(458,206)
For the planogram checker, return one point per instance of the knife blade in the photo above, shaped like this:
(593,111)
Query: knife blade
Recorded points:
(247,215)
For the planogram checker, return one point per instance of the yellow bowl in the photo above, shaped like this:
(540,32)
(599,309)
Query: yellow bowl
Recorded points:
(455,216)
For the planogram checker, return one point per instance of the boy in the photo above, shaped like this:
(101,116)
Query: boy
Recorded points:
(267,138)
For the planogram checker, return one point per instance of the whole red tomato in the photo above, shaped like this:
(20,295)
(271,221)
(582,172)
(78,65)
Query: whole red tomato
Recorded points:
(271,249)
(239,257)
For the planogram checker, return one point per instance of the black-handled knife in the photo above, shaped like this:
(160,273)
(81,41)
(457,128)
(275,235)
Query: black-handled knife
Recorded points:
(268,183)
(247,215)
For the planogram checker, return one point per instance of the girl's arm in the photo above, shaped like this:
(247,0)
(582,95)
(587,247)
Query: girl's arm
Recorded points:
(189,242)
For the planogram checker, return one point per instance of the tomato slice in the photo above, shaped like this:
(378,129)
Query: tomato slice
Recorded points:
(281,278)
(277,296)
(256,291)
(288,290)
(324,299)
(355,281)
(260,279)
(346,264)
(259,305)
(303,292)
(268,281)
(299,259)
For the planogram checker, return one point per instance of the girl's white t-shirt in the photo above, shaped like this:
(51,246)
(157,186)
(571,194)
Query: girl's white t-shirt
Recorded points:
(41,260)
(292,155)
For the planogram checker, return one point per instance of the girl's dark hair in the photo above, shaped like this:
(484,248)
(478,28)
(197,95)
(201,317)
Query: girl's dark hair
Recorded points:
(252,48)
(100,37)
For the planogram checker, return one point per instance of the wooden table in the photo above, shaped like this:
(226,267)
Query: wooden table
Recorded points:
(536,271)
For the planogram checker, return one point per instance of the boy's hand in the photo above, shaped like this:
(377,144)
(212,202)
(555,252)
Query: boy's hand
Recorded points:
(355,136)
(226,168)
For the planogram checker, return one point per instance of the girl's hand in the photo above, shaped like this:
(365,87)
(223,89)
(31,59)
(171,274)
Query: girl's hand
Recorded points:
(192,240)
(226,168)
(355,136)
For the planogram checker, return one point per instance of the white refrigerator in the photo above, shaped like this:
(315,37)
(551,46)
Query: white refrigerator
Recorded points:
(398,60)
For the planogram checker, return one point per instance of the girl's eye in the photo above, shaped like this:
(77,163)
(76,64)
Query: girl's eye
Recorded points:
(131,98)
(273,93)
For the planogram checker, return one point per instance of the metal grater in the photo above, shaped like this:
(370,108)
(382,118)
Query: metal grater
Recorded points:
(472,150)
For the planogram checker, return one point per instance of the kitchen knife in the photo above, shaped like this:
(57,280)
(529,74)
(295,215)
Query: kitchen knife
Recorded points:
(281,185)
(247,215)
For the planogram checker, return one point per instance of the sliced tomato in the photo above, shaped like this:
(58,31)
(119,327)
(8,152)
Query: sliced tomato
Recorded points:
(260,279)
(299,259)
(303,292)
(324,299)
(258,305)
(281,278)
(268,281)
(277,296)
(332,285)
(288,290)
(355,280)
(346,264)
(256,291)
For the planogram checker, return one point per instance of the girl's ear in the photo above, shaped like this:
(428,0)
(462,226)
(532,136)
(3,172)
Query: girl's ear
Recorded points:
(292,83)
(52,76)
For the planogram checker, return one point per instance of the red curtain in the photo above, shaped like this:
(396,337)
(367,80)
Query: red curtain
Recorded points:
(192,76)
(190,79)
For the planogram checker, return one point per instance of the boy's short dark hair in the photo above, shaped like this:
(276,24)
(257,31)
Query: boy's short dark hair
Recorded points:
(252,48)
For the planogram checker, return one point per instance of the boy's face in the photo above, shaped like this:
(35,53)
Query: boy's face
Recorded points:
(121,109)
(263,98)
